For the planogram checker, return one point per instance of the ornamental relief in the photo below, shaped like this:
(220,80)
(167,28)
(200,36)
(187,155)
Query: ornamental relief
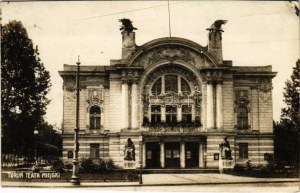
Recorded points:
(95,97)
(171,54)
(213,77)
(265,85)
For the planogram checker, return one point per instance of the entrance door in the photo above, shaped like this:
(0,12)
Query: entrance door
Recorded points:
(152,155)
(192,154)
(172,154)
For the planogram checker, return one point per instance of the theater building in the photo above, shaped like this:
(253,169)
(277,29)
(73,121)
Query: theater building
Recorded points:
(176,100)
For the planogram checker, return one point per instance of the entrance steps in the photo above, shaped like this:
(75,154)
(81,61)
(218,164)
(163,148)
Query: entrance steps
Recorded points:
(180,171)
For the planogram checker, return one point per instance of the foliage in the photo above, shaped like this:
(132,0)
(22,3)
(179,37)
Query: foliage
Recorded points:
(24,84)
(287,131)
(248,164)
(89,165)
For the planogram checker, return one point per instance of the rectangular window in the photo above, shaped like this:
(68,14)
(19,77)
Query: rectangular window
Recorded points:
(186,114)
(171,84)
(171,115)
(216,156)
(94,150)
(155,114)
(168,153)
(243,150)
(149,154)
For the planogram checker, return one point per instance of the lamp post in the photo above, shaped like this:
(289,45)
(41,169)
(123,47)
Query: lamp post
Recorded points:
(75,178)
(35,167)
(141,159)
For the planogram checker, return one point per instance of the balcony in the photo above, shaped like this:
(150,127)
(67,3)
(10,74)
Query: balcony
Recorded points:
(161,129)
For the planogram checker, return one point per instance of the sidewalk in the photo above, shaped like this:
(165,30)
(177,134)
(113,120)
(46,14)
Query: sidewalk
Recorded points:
(162,180)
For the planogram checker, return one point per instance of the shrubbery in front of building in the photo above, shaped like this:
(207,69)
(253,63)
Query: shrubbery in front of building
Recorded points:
(89,165)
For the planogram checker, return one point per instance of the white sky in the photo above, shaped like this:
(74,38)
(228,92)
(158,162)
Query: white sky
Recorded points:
(257,33)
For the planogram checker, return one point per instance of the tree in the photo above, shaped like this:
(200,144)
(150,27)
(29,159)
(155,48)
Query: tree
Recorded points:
(25,83)
(288,130)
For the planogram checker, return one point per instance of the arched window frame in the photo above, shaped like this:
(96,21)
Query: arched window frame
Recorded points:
(94,117)
(163,87)
(242,117)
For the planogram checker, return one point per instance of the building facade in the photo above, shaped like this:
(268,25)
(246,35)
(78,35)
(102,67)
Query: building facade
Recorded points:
(176,100)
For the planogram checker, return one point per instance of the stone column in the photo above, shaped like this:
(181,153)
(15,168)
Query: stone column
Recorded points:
(134,107)
(201,163)
(124,105)
(193,112)
(144,154)
(182,154)
(163,113)
(162,154)
(179,113)
(219,105)
(210,106)
(163,84)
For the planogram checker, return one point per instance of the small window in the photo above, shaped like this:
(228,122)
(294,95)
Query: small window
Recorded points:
(243,150)
(149,154)
(70,154)
(242,117)
(95,117)
(155,114)
(171,115)
(94,150)
(186,114)
(216,156)
(188,155)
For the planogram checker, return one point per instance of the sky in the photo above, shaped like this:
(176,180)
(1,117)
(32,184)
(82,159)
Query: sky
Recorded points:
(257,33)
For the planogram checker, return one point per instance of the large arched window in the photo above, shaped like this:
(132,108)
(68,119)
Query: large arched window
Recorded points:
(95,117)
(242,117)
(170,83)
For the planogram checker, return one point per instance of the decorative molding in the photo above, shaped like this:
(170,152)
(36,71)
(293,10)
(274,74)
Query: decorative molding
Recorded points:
(265,85)
(213,77)
(171,54)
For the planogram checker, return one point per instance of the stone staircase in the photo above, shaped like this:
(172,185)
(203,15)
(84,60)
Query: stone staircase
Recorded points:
(179,171)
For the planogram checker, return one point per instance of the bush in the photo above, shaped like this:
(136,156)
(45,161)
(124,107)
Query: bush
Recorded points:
(248,164)
(58,166)
(88,165)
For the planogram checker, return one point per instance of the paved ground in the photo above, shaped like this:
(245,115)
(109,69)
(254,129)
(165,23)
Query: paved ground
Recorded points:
(167,180)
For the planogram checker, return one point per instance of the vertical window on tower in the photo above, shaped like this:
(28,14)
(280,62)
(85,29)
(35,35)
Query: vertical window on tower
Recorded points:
(242,117)
(171,84)
(171,115)
(155,114)
(186,114)
(243,150)
(156,88)
(94,150)
(95,117)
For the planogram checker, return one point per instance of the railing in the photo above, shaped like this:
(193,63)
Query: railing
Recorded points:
(172,130)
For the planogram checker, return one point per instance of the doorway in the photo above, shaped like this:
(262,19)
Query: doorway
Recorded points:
(172,154)
(152,155)
(192,154)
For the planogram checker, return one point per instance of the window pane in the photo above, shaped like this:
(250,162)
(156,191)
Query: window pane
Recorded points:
(171,84)
(156,88)
(95,110)
(185,87)
(242,117)
(243,150)
(97,122)
(94,150)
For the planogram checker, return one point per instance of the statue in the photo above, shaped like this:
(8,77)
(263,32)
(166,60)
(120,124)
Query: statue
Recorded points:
(217,25)
(129,152)
(225,149)
(126,25)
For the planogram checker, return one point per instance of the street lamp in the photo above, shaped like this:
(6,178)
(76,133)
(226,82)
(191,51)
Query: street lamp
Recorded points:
(141,159)
(35,167)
